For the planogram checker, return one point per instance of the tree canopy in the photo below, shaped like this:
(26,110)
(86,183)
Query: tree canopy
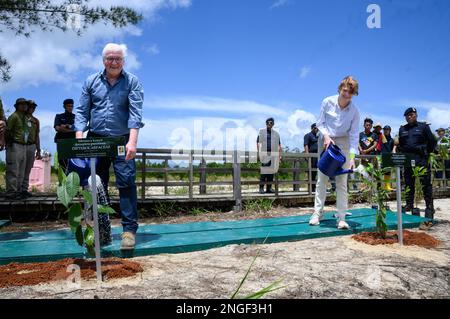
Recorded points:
(24,16)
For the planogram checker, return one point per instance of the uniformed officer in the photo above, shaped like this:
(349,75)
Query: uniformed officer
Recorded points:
(416,138)
(32,149)
(2,126)
(17,134)
(268,144)
(310,141)
(64,127)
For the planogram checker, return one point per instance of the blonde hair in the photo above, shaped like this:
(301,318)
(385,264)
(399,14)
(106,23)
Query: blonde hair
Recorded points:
(350,83)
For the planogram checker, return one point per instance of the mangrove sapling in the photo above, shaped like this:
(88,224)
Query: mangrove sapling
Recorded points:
(68,189)
(377,194)
(418,172)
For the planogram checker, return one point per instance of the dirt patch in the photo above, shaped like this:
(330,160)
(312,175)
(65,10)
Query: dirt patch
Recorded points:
(409,239)
(19,274)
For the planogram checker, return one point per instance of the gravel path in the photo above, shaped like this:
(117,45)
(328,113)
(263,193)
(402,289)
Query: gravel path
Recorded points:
(335,267)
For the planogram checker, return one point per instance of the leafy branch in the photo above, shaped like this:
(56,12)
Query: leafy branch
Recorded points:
(67,190)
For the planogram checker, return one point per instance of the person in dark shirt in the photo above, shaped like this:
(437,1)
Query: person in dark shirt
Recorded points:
(367,141)
(268,139)
(2,127)
(310,144)
(417,139)
(388,141)
(386,148)
(379,138)
(64,127)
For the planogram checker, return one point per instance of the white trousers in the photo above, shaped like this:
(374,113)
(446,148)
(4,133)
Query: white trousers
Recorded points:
(341,181)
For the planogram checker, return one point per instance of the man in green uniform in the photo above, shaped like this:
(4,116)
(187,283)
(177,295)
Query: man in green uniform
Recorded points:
(2,126)
(32,149)
(17,135)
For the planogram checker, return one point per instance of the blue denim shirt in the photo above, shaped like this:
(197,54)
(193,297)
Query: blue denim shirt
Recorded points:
(110,110)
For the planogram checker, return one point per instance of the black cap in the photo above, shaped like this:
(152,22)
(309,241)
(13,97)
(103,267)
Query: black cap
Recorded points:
(68,101)
(410,110)
(387,127)
(21,100)
(313,125)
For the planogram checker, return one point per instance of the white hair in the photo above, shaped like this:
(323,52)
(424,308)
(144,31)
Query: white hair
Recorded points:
(115,47)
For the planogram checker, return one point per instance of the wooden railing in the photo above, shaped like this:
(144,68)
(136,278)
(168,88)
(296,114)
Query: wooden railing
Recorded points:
(299,165)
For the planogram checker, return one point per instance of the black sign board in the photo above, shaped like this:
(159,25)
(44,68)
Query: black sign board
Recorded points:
(91,147)
(397,159)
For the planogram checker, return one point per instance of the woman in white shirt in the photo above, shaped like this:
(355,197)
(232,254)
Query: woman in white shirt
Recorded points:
(339,124)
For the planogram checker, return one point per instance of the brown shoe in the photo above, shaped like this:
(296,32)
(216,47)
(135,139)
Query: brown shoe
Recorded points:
(128,241)
(426,225)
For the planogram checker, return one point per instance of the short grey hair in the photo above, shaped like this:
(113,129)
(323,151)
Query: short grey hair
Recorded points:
(115,47)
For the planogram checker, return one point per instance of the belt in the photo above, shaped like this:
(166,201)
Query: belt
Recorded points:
(24,143)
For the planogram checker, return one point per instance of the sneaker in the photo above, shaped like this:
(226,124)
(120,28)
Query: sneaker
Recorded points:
(128,241)
(426,225)
(270,191)
(342,224)
(315,219)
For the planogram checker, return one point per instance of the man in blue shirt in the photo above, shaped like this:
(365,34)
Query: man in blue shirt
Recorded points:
(111,105)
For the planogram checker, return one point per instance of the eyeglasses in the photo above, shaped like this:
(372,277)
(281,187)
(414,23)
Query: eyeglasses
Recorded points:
(270,122)
(113,59)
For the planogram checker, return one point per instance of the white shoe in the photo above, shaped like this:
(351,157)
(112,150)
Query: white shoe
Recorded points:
(315,219)
(342,225)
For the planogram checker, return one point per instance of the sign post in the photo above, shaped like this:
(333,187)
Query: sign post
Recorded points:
(93,148)
(398,160)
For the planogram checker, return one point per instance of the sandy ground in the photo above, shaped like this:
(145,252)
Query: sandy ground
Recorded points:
(335,267)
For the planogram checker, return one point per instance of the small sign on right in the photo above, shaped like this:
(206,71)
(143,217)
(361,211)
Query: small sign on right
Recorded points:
(397,160)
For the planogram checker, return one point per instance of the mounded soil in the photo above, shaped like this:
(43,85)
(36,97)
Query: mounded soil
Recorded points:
(25,274)
(409,239)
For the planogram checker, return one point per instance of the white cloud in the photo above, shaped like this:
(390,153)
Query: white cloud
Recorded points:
(437,112)
(279,3)
(244,122)
(56,57)
(152,49)
(304,72)
(213,104)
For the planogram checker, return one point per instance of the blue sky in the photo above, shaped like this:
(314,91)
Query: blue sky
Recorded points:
(211,65)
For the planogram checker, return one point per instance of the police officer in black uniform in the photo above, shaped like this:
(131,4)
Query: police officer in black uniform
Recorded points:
(64,127)
(416,138)
(310,141)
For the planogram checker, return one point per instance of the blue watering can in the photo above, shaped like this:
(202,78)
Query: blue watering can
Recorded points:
(81,166)
(331,161)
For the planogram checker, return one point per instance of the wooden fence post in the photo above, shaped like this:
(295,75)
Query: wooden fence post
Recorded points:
(143,176)
(191,175)
(203,176)
(237,194)
(166,177)
(296,175)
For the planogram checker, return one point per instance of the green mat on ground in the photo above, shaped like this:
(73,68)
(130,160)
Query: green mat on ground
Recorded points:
(178,238)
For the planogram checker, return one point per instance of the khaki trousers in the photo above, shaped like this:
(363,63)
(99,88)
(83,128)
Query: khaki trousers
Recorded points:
(341,181)
(19,162)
